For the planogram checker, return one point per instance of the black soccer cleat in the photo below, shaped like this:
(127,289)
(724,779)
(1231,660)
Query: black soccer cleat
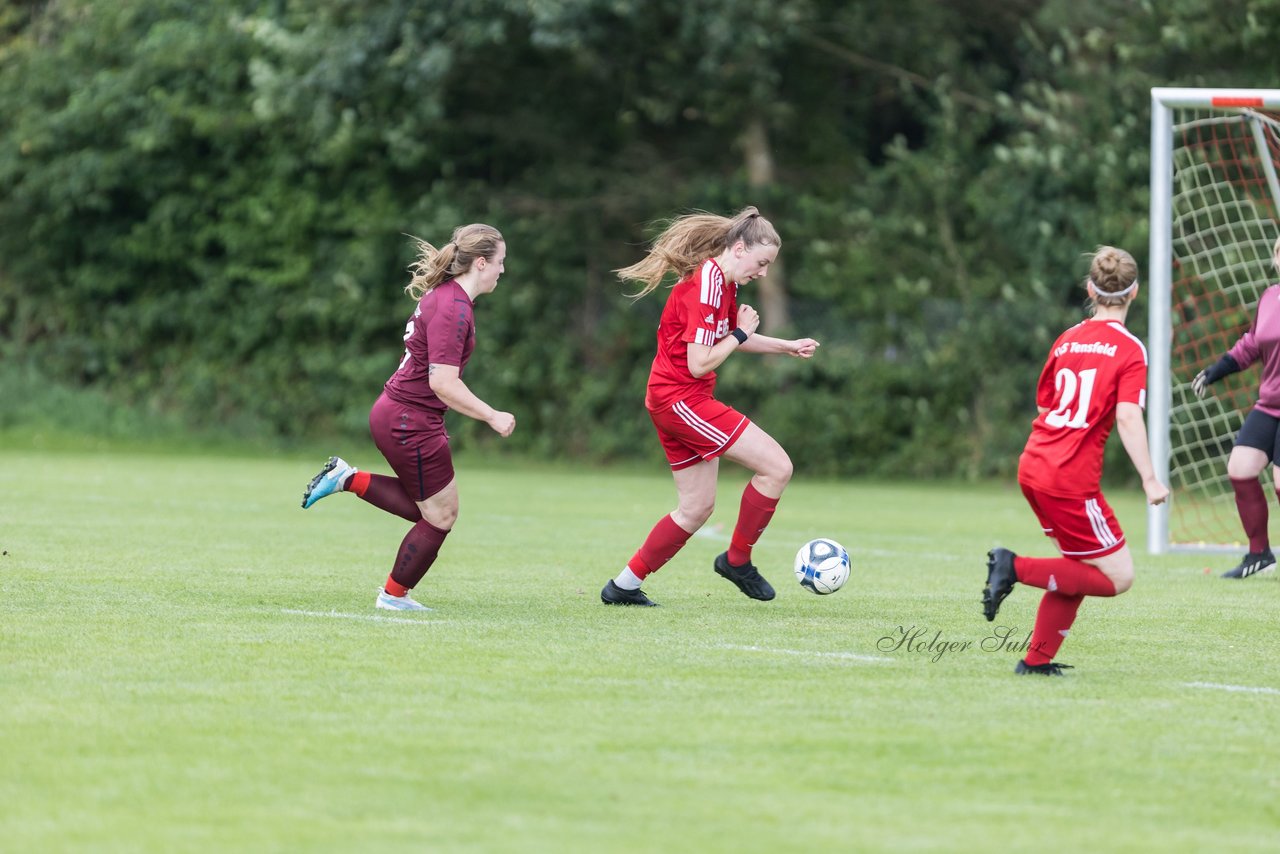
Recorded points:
(1000,581)
(612,594)
(746,577)
(1253,563)
(1053,668)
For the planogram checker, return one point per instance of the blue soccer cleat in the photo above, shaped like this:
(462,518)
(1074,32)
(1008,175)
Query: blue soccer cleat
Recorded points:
(387,602)
(332,478)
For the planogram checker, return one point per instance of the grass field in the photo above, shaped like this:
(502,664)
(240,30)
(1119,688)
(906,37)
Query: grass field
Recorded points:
(192,662)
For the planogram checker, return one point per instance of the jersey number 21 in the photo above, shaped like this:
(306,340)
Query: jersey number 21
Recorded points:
(1072,389)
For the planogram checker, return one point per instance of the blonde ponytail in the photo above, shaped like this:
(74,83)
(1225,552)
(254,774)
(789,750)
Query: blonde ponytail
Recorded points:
(434,265)
(689,240)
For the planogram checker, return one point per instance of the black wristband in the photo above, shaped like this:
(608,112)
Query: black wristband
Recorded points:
(740,335)
(1222,368)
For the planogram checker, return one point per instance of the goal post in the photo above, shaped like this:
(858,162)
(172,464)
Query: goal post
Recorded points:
(1215,199)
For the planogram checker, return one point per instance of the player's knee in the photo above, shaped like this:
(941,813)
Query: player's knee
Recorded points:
(1121,576)
(442,517)
(779,470)
(1242,469)
(698,514)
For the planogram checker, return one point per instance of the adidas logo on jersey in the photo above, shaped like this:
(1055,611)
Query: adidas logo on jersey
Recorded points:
(710,318)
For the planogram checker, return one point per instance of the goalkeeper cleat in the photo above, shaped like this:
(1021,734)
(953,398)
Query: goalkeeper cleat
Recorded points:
(1053,668)
(612,594)
(1000,581)
(746,577)
(1253,563)
(387,602)
(332,478)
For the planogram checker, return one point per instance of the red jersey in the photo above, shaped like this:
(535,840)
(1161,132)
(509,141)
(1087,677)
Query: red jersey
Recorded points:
(442,331)
(701,309)
(1093,366)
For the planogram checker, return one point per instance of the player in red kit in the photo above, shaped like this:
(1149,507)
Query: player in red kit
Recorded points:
(1095,379)
(701,326)
(407,420)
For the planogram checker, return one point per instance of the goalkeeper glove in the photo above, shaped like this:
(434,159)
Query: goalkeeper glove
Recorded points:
(1210,375)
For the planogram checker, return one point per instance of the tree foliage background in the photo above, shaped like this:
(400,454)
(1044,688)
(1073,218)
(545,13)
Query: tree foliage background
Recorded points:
(204,203)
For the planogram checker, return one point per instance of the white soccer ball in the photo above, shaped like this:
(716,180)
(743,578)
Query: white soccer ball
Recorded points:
(822,566)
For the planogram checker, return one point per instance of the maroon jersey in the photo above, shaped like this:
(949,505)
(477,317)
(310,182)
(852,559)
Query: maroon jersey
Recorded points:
(1262,344)
(701,309)
(1093,366)
(442,331)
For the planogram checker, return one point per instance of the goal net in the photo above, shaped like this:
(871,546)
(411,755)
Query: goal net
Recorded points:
(1214,204)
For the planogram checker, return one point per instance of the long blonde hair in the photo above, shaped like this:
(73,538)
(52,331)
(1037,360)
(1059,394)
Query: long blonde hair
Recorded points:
(434,266)
(689,240)
(1113,273)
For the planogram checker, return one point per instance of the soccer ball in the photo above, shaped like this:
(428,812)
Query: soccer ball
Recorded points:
(822,566)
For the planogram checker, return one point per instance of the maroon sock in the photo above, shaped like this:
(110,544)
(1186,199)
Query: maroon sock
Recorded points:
(418,551)
(754,514)
(1053,621)
(385,493)
(1063,575)
(1251,502)
(660,546)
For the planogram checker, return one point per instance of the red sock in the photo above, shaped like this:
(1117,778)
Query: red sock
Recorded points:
(418,551)
(754,514)
(660,546)
(1251,503)
(1063,575)
(395,588)
(358,483)
(1053,621)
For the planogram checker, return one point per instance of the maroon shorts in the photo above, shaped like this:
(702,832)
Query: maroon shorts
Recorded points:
(415,443)
(1082,527)
(697,429)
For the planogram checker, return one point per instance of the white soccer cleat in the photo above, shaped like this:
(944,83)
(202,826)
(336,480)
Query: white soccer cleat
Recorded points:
(331,479)
(387,602)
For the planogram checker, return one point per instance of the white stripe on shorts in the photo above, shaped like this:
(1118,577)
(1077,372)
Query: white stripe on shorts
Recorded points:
(703,427)
(1098,520)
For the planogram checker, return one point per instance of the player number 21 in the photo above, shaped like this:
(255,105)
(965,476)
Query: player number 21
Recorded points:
(1072,389)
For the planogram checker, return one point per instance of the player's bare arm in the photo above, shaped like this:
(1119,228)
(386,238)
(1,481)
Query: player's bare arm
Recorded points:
(447,384)
(1133,433)
(801,348)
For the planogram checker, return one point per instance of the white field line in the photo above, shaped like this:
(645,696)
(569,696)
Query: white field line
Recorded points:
(374,617)
(1244,689)
(846,656)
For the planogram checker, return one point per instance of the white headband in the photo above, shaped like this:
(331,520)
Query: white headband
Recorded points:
(1122,293)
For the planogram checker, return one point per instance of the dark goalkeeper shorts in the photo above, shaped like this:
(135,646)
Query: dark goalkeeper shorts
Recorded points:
(1260,431)
(416,445)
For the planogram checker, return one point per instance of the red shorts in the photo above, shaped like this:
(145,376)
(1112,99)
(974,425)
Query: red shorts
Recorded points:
(697,429)
(415,444)
(1081,527)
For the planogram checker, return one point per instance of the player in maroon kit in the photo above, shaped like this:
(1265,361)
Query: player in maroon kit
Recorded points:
(1256,443)
(1095,378)
(701,325)
(407,420)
